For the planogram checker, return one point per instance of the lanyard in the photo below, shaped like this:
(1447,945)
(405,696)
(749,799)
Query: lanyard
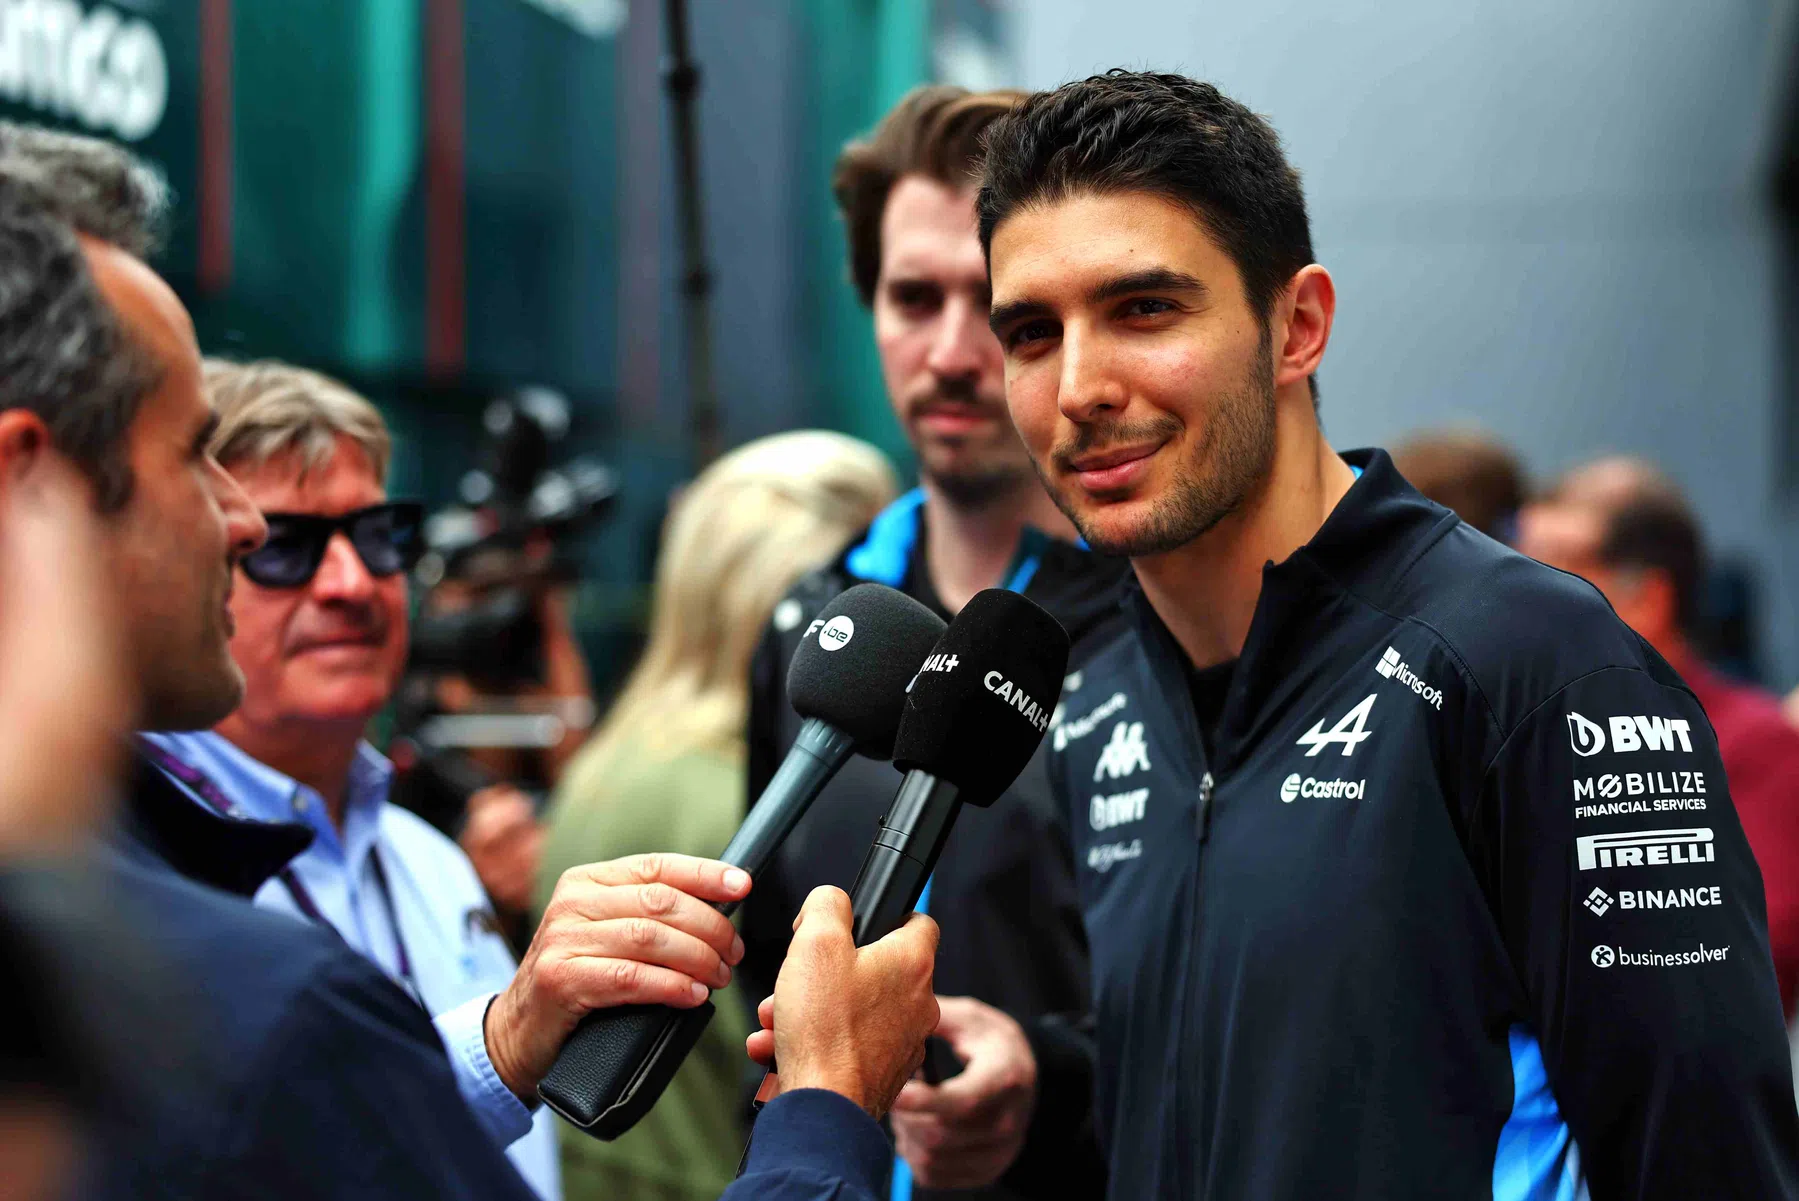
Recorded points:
(201,785)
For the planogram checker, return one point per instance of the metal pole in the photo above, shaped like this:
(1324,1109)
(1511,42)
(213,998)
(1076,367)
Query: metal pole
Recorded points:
(681,76)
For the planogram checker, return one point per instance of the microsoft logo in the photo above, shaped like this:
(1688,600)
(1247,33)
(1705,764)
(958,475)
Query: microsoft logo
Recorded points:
(1389,663)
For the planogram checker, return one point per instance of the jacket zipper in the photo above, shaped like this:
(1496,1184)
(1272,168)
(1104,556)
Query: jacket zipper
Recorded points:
(1202,816)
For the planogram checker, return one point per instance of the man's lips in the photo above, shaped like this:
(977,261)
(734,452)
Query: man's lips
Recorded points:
(954,419)
(371,641)
(1110,470)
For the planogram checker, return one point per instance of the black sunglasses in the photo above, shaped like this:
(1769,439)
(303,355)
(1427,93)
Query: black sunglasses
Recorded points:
(389,538)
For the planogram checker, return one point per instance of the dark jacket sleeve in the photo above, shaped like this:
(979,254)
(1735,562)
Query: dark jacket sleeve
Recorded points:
(354,1098)
(1061,1155)
(1636,923)
(814,1145)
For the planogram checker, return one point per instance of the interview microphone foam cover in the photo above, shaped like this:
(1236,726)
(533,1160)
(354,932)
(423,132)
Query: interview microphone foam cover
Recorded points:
(984,696)
(858,655)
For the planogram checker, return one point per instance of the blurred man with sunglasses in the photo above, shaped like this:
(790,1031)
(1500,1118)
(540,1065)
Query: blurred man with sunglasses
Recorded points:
(320,634)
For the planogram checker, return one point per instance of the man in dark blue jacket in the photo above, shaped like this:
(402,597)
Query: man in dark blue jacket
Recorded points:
(1409,870)
(312,1075)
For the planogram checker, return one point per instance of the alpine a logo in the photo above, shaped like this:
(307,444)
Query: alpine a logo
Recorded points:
(1644,848)
(1015,696)
(1350,730)
(1629,734)
(1392,667)
(1124,754)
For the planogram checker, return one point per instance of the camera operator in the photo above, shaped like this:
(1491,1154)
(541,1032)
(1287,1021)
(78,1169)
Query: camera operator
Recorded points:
(317,1076)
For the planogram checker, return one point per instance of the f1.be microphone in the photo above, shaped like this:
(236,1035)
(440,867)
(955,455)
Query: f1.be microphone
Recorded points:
(973,717)
(848,680)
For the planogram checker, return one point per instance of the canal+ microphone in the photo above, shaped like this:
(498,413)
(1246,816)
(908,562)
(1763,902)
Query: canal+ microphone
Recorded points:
(973,718)
(848,680)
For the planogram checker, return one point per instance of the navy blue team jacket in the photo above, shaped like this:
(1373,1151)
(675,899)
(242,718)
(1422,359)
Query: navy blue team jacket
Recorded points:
(1459,907)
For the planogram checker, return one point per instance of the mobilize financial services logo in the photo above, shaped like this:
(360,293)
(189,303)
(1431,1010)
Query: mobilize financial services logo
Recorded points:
(1393,668)
(1629,734)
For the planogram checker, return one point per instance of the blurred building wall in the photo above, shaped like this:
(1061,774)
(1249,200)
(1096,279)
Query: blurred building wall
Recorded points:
(1547,216)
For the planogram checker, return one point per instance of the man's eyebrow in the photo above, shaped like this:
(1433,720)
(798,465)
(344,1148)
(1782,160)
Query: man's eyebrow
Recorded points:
(203,436)
(1153,279)
(1012,311)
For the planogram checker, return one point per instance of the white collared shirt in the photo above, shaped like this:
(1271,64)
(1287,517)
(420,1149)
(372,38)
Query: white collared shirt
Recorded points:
(440,925)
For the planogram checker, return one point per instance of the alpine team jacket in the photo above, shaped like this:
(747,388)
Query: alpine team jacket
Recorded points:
(1459,907)
(1003,892)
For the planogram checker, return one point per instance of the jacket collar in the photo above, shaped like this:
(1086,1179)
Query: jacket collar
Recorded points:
(1365,547)
(236,854)
(1080,589)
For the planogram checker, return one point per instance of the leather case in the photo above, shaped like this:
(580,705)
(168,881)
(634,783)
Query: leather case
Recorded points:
(617,1062)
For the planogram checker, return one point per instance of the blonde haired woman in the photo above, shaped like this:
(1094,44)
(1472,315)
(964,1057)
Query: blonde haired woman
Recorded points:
(665,771)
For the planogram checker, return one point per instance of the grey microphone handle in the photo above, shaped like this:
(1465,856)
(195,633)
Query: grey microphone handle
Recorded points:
(817,753)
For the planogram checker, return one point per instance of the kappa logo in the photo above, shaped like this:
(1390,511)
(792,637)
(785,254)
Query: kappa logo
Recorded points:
(1351,730)
(1393,668)
(1629,734)
(1644,848)
(1124,754)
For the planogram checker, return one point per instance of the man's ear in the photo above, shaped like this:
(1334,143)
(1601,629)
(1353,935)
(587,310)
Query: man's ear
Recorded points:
(1309,304)
(24,440)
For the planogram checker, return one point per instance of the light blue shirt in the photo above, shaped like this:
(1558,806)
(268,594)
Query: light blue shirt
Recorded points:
(459,961)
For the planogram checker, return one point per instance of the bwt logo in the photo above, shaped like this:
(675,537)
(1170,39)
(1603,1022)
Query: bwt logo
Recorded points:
(1629,734)
(1644,848)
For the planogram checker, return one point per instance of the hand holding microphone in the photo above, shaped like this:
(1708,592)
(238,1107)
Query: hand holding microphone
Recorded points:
(848,681)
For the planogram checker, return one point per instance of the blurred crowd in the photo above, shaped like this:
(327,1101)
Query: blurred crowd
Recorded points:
(204,603)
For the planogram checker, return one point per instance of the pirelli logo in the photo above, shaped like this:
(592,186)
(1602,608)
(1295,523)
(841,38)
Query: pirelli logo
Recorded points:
(1643,848)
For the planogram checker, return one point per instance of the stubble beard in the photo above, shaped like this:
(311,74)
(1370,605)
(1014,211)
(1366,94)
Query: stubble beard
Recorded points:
(1225,469)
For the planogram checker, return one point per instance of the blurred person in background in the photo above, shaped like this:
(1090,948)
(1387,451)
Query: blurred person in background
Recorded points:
(1624,527)
(665,771)
(1470,473)
(1014,953)
(312,1074)
(320,633)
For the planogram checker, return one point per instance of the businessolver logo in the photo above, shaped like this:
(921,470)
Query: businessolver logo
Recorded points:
(1644,848)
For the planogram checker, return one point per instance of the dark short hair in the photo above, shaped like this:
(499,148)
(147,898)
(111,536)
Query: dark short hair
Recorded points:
(1144,131)
(1656,531)
(934,131)
(64,353)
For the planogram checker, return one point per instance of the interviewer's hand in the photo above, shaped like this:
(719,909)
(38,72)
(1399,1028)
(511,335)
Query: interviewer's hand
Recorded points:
(634,931)
(848,1019)
(965,1132)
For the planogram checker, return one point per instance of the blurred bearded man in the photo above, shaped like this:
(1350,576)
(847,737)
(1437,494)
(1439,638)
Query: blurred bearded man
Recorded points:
(1004,889)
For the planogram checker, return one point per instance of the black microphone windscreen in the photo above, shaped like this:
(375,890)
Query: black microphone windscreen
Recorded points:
(984,696)
(853,665)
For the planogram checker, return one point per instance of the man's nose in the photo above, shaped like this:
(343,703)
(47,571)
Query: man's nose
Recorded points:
(245,530)
(342,575)
(963,344)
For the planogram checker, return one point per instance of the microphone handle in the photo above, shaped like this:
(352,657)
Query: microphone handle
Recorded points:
(617,1062)
(817,753)
(904,854)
